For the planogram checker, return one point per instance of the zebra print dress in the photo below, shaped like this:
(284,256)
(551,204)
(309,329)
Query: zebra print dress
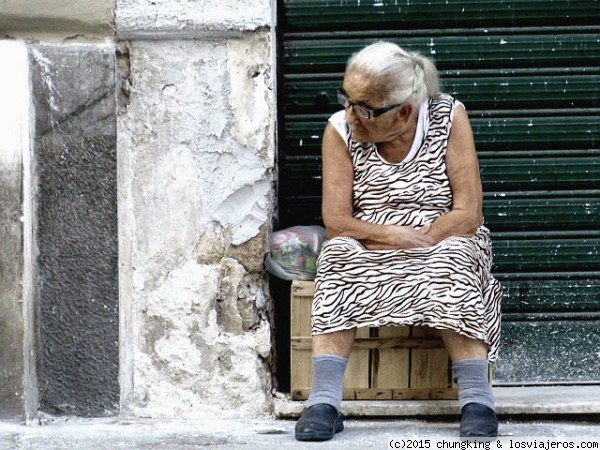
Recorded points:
(447,286)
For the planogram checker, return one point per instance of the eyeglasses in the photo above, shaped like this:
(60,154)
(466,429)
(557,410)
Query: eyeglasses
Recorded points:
(360,110)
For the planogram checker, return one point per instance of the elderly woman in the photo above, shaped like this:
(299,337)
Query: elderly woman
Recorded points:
(402,204)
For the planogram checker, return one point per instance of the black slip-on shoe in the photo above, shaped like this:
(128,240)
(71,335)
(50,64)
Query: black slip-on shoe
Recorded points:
(478,421)
(319,422)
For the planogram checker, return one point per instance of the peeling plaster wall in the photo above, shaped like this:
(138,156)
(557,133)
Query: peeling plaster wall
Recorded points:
(190,18)
(195,139)
(195,150)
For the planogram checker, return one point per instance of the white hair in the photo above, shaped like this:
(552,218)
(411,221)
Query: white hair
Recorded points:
(404,77)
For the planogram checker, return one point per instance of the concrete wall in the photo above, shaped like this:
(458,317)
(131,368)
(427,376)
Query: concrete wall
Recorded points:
(194,129)
(66,20)
(171,19)
(59,270)
(196,166)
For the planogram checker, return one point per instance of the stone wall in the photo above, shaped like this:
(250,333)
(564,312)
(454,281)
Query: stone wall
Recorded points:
(192,116)
(56,21)
(59,269)
(172,19)
(196,192)
(17,363)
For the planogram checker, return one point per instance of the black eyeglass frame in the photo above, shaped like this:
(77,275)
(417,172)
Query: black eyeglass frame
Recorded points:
(361,110)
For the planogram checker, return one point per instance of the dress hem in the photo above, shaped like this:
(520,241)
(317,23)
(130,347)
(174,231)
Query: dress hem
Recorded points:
(491,357)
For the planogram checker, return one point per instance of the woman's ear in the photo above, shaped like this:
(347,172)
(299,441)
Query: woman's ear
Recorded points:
(405,112)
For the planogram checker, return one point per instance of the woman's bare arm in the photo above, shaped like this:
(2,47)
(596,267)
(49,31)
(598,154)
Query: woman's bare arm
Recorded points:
(462,167)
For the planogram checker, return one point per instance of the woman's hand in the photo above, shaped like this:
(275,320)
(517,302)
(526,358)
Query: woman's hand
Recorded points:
(399,237)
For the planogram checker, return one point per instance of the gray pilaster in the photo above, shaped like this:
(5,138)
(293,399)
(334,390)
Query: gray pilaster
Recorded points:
(75,153)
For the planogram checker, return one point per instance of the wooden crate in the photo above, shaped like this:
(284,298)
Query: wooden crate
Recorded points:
(393,363)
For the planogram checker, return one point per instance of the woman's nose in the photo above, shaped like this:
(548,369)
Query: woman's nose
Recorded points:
(351,116)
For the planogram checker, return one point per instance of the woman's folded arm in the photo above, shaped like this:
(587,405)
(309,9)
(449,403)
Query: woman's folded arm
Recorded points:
(338,179)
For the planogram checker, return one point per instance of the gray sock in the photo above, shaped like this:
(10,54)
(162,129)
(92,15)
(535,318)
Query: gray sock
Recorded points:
(328,380)
(473,382)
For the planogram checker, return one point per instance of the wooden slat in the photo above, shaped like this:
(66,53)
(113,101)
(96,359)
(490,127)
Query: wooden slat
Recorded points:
(387,394)
(301,314)
(366,342)
(429,367)
(414,14)
(302,288)
(390,366)
(301,359)
(359,365)
(405,394)
(425,394)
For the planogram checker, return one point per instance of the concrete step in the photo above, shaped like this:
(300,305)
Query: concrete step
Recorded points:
(580,400)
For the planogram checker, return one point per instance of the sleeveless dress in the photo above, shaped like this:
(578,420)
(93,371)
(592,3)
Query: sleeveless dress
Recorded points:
(447,286)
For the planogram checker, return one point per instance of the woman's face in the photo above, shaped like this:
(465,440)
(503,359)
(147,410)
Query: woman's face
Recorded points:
(360,89)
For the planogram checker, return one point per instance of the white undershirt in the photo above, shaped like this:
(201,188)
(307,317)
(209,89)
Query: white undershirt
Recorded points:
(338,120)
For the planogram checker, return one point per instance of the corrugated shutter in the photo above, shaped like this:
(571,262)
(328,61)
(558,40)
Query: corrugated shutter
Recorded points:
(529,74)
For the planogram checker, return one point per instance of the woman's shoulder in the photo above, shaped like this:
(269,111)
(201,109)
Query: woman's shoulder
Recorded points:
(445,100)
(442,98)
(443,105)
(338,120)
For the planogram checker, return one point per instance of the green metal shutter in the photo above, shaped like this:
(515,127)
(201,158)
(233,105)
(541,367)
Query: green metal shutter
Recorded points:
(529,75)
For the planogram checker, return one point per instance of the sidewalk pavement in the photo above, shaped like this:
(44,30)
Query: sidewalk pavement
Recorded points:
(270,433)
